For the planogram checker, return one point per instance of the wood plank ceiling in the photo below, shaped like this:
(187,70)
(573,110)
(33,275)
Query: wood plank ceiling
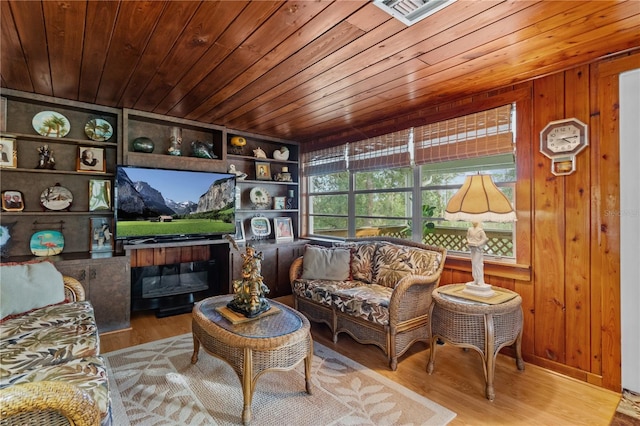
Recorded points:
(313,71)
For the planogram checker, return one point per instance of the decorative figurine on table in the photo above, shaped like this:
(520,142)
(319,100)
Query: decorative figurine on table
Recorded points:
(249,292)
(46,160)
(476,240)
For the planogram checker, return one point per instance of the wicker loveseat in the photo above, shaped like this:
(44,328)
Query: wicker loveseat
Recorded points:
(51,372)
(382,299)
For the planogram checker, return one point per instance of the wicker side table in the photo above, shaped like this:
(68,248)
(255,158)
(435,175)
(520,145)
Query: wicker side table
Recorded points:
(483,327)
(279,341)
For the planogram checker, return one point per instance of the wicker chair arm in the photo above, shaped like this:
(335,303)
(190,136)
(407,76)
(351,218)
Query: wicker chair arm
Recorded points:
(411,297)
(295,270)
(73,290)
(47,402)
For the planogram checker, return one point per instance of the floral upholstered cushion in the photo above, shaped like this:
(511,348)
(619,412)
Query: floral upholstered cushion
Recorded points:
(393,262)
(89,374)
(321,291)
(370,302)
(361,260)
(47,336)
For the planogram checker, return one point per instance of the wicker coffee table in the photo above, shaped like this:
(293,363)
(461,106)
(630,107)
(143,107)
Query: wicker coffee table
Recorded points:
(486,328)
(277,341)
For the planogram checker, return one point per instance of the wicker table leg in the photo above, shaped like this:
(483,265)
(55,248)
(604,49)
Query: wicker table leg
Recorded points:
(196,349)
(247,388)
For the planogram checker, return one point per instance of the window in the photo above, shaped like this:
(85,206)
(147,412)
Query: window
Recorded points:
(399,184)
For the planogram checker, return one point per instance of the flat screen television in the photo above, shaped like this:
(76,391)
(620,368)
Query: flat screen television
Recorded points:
(159,204)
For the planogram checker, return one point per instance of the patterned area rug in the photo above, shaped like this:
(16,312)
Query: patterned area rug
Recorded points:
(628,411)
(156,384)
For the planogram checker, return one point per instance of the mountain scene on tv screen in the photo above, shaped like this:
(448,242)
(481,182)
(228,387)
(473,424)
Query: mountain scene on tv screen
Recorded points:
(140,201)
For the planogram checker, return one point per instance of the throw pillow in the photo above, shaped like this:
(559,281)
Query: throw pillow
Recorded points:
(326,263)
(28,286)
(362,260)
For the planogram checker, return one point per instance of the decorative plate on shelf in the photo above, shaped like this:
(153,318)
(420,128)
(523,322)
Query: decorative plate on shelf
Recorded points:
(98,130)
(46,243)
(56,198)
(260,197)
(51,124)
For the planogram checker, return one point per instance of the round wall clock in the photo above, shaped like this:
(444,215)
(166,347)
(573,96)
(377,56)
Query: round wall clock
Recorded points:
(561,141)
(56,198)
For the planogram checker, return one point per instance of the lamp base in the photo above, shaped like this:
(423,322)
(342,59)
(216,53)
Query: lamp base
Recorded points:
(479,290)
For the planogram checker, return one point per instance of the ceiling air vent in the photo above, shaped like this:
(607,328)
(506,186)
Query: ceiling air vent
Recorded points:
(411,11)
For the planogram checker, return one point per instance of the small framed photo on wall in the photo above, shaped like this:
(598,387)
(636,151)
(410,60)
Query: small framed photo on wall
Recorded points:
(91,159)
(100,235)
(283,228)
(263,170)
(12,201)
(8,154)
(279,203)
(99,194)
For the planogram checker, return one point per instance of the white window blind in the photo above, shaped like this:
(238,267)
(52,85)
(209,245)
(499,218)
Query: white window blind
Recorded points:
(323,161)
(476,135)
(386,151)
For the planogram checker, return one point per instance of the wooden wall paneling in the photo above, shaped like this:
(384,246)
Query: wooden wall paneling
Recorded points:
(200,253)
(144,257)
(549,225)
(185,254)
(100,14)
(66,45)
(136,21)
(577,231)
(526,144)
(18,46)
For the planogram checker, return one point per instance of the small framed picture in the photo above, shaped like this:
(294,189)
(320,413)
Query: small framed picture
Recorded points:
(99,194)
(8,154)
(260,227)
(263,170)
(283,228)
(279,203)
(12,201)
(91,159)
(100,235)
(239,236)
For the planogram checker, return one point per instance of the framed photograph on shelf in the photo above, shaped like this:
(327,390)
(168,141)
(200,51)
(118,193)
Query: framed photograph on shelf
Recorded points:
(260,227)
(239,236)
(8,154)
(283,228)
(12,201)
(99,194)
(263,170)
(91,159)
(100,235)
(279,203)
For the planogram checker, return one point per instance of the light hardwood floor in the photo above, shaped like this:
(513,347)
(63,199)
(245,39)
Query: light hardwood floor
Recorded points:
(533,397)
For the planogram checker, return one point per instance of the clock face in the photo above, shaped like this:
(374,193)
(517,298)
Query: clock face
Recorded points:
(563,138)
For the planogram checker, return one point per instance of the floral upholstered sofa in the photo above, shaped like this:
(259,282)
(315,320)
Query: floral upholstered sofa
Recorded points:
(377,290)
(50,368)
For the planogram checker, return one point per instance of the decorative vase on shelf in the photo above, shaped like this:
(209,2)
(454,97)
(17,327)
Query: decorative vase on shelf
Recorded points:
(143,144)
(176,141)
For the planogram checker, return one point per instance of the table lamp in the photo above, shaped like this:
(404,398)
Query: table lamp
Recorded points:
(479,200)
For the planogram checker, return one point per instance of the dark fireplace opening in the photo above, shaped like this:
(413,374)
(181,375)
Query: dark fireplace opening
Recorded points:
(174,288)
